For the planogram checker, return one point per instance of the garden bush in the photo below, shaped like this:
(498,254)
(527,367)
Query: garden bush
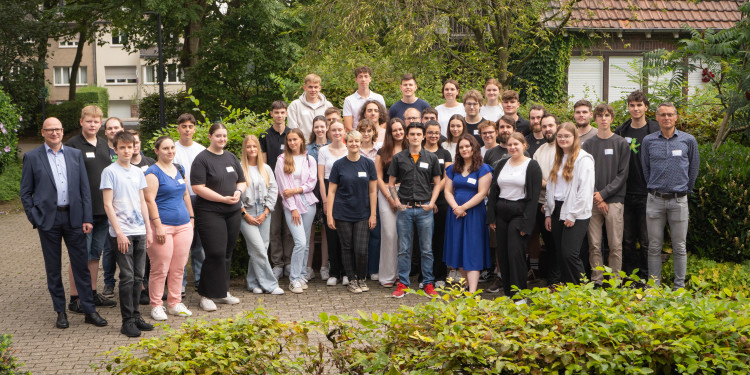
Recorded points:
(94,95)
(175,104)
(10,117)
(577,330)
(709,275)
(10,181)
(720,208)
(9,365)
(69,113)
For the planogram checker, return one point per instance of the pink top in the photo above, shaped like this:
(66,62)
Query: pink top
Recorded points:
(286,181)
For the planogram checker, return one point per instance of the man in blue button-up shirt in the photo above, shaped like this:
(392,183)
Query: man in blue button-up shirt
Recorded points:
(670,165)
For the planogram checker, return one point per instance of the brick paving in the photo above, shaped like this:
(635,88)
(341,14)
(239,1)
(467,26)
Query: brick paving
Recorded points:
(27,313)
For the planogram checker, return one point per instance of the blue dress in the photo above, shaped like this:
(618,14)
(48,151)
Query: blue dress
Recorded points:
(466,239)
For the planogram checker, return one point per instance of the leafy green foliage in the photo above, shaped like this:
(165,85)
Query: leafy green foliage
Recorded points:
(175,104)
(9,124)
(720,209)
(709,275)
(10,181)
(69,113)
(94,95)
(8,363)
(544,76)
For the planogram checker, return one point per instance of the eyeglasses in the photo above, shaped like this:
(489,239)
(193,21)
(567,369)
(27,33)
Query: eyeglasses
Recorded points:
(564,136)
(667,114)
(433,133)
(488,133)
(54,130)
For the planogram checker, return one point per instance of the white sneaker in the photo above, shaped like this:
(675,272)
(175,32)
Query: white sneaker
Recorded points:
(296,287)
(179,310)
(440,284)
(257,290)
(278,272)
(228,300)
(158,314)
(324,273)
(331,281)
(310,274)
(277,291)
(304,284)
(207,305)
(345,281)
(363,286)
(374,277)
(421,285)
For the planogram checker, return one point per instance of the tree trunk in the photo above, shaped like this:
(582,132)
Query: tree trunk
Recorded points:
(77,63)
(192,43)
(723,131)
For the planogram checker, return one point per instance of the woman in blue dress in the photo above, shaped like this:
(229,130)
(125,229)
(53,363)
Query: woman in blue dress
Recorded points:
(466,239)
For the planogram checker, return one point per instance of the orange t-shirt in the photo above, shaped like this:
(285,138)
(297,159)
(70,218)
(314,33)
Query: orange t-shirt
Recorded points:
(415,157)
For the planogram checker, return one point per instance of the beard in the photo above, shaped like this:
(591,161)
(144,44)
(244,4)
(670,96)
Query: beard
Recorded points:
(549,137)
(583,125)
(504,138)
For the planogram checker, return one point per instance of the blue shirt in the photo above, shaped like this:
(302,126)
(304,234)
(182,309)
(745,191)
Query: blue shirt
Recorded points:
(170,197)
(670,165)
(59,173)
(312,149)
(352,178)
(398,108)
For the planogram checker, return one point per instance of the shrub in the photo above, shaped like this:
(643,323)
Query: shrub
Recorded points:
(10,181)
(175,104)
(709,275)
(720,208)
(8,363)
(9,123)
(94,95)
(69,113)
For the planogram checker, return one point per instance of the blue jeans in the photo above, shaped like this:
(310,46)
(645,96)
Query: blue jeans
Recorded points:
(301,235)
(98,248)
(259,273)
(132,267)
(197,256)
(424,222)
(659,212)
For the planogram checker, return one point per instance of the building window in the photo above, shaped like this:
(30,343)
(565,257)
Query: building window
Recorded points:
(120,75)
(173,74)
(62,76)
(119,37)
(68,43)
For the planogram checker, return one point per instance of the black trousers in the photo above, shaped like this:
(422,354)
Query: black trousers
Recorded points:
(334,248)
(354,237)
(635,232)
(548,261)
(75,241)
(132,268)
(218,232)
(511,245)
(568,242)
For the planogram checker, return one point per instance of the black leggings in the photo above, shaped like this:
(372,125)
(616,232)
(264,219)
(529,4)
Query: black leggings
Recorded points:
(334,248)
(568,242)
(218,232)
(511,245)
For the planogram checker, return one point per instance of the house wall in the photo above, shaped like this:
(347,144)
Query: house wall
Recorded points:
(63,56)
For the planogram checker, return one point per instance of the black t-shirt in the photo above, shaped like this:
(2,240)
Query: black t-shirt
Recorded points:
(96,158)
(494,154)
(416,178)
(444,156)
(636,181)
(386,166)
(523,126)
(473,130)
(220,173)
(534,143)
(352,178)
(144,163)
(272,143)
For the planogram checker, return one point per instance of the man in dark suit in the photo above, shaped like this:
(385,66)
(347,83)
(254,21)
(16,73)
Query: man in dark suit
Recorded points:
(56,198)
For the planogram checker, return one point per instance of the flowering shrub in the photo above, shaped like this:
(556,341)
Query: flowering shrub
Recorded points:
(9,120)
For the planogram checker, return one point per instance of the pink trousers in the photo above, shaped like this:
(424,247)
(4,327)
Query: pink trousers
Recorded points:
(168,263)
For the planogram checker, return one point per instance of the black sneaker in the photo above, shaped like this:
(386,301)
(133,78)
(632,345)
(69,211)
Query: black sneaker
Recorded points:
(129,329)
(75,306)
(496,286)
(145,300)
(142,325)
(109,291)
(102,301)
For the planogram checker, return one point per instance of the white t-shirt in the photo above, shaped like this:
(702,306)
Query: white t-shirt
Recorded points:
(185,156)
(512,181)
(491,112)
(445,113)
(326,158)
(561,186)
(545,156)
(297,174)
(451,147)
(126,185)
(354,102)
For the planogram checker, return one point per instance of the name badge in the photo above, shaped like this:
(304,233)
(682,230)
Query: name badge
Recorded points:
(472,181)
(90,155)
(476,131)
(361,174)
(423,165)
(181,181)
(628,139)
(144,168)
(281,147)
(230,169)
(441,161)
(609,151)
(676,152)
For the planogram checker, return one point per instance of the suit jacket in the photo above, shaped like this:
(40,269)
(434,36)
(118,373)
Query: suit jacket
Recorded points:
(39,192)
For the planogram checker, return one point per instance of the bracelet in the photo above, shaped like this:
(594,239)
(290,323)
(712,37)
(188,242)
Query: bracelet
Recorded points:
(156,218)
(192,217)
(239,191)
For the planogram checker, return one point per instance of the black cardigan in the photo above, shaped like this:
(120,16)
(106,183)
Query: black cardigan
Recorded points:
(533,186)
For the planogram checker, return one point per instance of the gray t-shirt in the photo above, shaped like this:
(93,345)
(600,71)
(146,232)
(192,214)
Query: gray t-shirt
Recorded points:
(126,185)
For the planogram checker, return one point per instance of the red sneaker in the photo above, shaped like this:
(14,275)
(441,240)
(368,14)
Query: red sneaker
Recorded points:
(430,290)
(400,290)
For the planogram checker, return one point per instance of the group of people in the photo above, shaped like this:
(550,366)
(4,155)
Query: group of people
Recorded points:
(445,192)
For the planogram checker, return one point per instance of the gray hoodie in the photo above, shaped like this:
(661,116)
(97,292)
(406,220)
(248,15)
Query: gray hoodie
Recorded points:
(301,113)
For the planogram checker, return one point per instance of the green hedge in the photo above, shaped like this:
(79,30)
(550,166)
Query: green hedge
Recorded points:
(8,363)
(10,181)
(69,113)
(94,95)
(10,116)
(720,208)
(706,274)
(175,104)
(577,330)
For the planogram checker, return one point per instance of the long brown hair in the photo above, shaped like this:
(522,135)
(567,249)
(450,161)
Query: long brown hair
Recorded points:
(386,152)
(382,112)
(567,172)
(463,123)
(259,162)
(288,156)
(476,155)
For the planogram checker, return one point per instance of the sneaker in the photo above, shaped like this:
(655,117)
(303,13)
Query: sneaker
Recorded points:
(257,290)
(287,270)
(485,276)
(440,284)
(421,285)
(278,272)
(295,287)
(228,300)
(387,285)
(129,329)
(430,290)
(109,291)
(144,299)
(277,292)
(304,284)
(310,274)
(400,291)
(142,325)
(75,306)
(374,277)
(452,276)
(158,313)
(207,305)
(363,286)
(102,301)
(180,310)
(345,281)
(496,286)
(331,281)
(324,273)
(354,287)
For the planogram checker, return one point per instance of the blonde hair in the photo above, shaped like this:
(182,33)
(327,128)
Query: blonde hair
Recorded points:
(567,172)
(92,111)
(246,163)
(312,78)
